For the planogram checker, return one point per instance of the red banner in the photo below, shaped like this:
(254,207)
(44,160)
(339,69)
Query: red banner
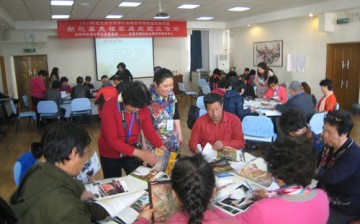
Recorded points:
(120,28)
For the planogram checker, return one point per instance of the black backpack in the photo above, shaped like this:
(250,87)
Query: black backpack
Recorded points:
(193,114)
(7,216)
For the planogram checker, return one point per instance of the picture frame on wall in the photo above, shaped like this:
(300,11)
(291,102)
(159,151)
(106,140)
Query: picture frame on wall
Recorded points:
(270,52)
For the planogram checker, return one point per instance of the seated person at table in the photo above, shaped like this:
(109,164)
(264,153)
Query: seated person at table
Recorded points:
(222,87)
(339,169)
(122,121)
(80,91)
(234,102)
(64,85)
(307,89)
(54,95)
(293,123)
(104,79)
(193,186)
(275,91)
(328,101)
(49,193)
(299,100)
(249,89)
(217,127)
(292,163)
(26,161)
(88,83)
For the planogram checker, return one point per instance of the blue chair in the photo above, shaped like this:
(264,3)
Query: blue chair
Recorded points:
(26,102)
(201,82)
(26,114)
(80,107)
(48,109)
(317,122)
(186,93)
(200,104)
(258,128)
(205,89)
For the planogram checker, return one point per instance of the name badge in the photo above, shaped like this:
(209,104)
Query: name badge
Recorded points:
(170,125)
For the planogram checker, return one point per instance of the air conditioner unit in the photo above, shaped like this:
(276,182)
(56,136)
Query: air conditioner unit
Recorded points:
(223,62)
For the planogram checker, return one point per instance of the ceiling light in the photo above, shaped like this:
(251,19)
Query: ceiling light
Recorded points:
(161,15)
(205,18)
(311,15)
(129,4)
(113,16)
(62,3)
(238,9)
(60,16)
(248,25)
(188,6)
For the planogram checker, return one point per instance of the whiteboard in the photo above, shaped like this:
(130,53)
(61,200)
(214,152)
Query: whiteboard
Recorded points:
(136,53)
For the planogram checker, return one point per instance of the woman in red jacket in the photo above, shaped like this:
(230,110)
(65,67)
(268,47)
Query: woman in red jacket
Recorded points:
(123,119)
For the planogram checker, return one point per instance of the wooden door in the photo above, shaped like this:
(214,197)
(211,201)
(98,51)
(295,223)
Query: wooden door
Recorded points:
(25,68)
(343,69)
(3,76)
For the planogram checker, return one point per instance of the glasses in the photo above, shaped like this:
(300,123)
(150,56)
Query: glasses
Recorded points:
(333,118)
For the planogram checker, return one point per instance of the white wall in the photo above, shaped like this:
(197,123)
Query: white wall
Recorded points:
(300,36)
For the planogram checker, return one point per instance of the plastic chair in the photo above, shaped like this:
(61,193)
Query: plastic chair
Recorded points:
(200,104)
(186,93)
(26,114)
(26,102)
(205,89)
(317,122)
(48,109)
(80,107)
(258,128)
(201,82)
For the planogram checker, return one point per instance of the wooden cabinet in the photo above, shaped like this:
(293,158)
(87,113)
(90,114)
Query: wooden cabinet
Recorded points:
(177,78)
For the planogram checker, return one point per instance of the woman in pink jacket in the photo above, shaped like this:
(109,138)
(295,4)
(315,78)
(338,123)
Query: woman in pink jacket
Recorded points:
(193,185)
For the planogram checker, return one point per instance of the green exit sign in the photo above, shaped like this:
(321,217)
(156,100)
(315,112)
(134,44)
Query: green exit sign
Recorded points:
(29,50)
(342,21)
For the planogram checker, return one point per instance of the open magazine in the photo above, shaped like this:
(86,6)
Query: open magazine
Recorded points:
(90,168)
(226,152)
(236,201)
(149,174)
(107,188)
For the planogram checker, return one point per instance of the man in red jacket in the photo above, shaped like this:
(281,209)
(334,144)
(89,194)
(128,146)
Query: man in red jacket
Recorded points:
(123,119)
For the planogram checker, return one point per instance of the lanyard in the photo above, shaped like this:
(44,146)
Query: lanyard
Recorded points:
(124,123)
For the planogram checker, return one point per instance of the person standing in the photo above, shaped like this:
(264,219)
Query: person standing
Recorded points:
(123,72)
(54,76)
(122,121)
(164,111)
(38,88)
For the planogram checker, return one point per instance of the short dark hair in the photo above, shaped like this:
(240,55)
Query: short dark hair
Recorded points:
(88,78)
(252,72)
(238,86)
(193,181)
(272,80)
(136,94)
(293,160)
(247,69)
(79,80)
(161,75)
(56,84)
(223,83)
(60,138)
(64,79)
(43,72)
(36,150)
(104,77)
(292,120)
(327,82)
(211,98)
(216,71)
(340,119)
(121,64)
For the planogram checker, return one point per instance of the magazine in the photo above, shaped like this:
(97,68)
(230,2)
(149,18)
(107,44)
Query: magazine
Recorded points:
(226,152)
(149,174)
(166,160)
(221,166)
(110,187)
(162,199)
(90,168)
(238,200)
(253,173)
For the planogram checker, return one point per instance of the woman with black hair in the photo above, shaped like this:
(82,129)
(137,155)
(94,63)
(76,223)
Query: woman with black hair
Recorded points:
(123,119)
(193,185)
(54,76)
(292,162)
(214,79)
(123,72)
(339,169)
(261,78)
(164,111)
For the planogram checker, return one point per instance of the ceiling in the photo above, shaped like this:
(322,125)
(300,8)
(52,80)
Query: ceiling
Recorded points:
(12,11)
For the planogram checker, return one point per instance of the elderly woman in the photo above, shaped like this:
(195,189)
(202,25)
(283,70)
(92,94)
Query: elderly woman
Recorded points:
(292,163)
(328,101)
(339,169)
